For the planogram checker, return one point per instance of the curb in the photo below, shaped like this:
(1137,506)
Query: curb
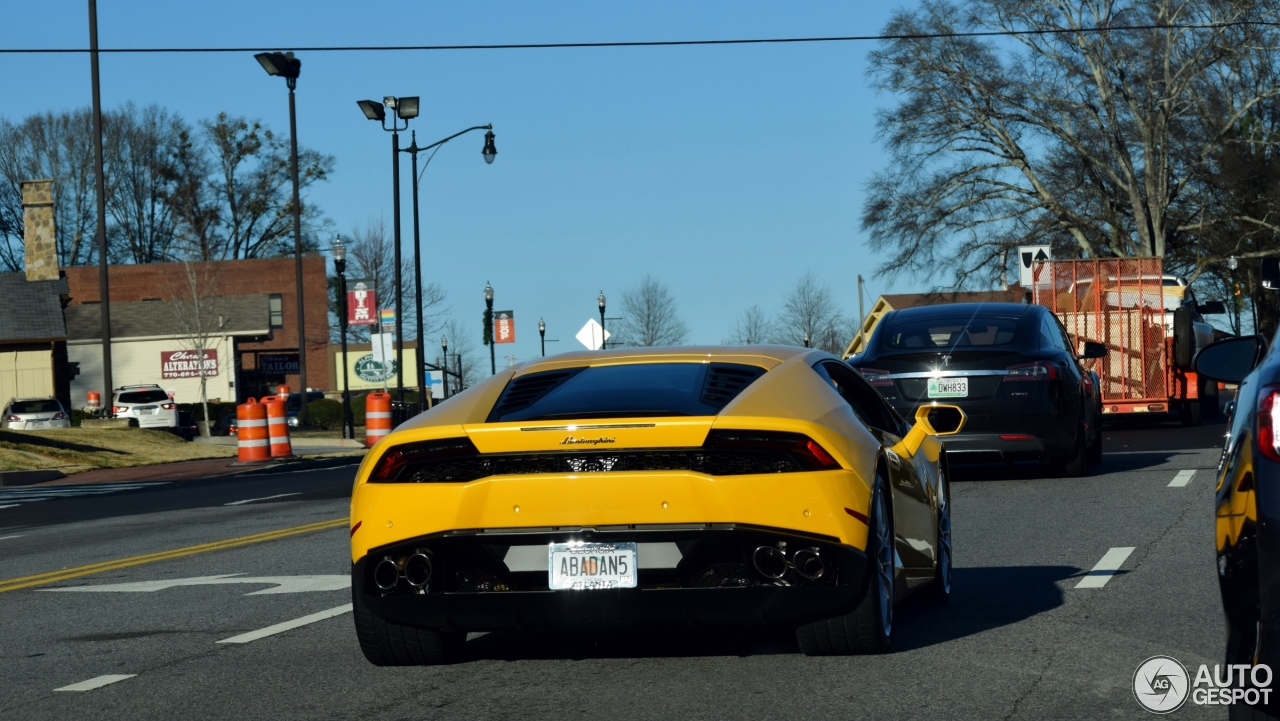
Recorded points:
(300,465)
(27,478)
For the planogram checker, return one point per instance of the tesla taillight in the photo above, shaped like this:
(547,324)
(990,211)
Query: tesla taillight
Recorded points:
(394,461)
(875,376)
(1038,371)
(1268,420)
(803,449)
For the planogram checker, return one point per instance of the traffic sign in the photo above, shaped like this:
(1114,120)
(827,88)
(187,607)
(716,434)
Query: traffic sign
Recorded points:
(1028,254)
(590,337)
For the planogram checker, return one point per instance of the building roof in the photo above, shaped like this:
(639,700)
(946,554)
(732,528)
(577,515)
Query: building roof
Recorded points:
(32,308)
(228,315)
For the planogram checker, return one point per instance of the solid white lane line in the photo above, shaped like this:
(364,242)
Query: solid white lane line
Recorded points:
(264,498)
(288,625)
(1106,568)
(5,538)
(98,682)
(11,505)
(1182,479)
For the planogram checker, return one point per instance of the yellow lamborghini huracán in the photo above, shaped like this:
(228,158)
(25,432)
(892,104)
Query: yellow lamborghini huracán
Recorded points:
(710,485)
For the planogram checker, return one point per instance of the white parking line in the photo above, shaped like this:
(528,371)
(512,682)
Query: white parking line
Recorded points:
(288,625)
(1182,479)
(264,498)
(97,682)
(1106,568)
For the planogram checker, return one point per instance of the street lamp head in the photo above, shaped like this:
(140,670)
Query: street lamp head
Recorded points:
(542,327)
(372,110)
(806,339)
(600,301)
(339,250)
(406,108)
(1232,263)
(490,150)
(488,292)
(444,343)
(280,64)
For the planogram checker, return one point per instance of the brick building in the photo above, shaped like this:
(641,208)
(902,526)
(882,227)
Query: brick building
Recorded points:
(262,363)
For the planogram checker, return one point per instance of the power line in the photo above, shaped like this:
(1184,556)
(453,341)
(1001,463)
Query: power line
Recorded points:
(667,43)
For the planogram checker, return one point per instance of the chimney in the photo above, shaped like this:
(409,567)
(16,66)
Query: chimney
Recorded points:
(39,236)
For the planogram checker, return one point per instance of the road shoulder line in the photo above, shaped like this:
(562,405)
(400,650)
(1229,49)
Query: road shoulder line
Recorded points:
(288,625)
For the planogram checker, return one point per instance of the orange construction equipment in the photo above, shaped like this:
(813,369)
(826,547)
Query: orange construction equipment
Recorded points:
(377,417)
(251,432)
(278,426)
(282,390)
(95,399)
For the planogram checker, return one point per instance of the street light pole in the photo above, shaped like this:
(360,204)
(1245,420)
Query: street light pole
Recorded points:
(444,347)
(104,301)
(806,339)
(404,109)
(542,332)
(488,319)
(604,342)
(287,66)
(340,266)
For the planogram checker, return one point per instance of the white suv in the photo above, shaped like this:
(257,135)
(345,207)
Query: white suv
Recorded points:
(149,405)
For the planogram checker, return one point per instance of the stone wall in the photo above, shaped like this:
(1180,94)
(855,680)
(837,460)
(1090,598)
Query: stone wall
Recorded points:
(40,237)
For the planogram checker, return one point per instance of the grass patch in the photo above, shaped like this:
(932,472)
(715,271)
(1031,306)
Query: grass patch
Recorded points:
(72,450)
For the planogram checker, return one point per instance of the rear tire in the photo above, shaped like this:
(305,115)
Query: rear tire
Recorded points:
(1095,448)
(1074,467)
(1190,412)
(391,644)
(868,629)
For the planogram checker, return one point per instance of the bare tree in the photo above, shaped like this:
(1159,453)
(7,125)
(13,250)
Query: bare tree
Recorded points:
(200,317)
(811,310)
(1091,141)
(140,147)
(649,316)
(753,326)
(371,257)
(463,355)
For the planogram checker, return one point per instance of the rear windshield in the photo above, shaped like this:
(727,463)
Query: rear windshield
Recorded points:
(156,396)
(622,391)
(49,406)
(951,332)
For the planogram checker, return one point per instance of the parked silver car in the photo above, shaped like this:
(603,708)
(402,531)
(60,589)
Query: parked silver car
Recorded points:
(28,414)
(148,405)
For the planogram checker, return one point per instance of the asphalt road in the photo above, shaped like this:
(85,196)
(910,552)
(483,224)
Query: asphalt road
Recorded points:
(1018,641)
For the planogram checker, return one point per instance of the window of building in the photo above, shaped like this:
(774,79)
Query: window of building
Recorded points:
(277,311)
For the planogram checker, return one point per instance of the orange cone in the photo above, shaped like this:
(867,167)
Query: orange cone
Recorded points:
(377,417)
(251,433)
(278,427)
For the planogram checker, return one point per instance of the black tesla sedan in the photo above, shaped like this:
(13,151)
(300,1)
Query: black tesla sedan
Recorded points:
(1011,367)
(1247,501)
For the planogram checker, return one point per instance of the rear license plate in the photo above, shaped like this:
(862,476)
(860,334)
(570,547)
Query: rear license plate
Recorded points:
(147,410)
(37,424)
(948,387)
(585,566)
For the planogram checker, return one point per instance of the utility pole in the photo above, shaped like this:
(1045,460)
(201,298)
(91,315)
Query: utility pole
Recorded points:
(862,316)
(104,299)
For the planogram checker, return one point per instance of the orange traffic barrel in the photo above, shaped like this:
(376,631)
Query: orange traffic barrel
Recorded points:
(95,399)
(377,417)
(278,426)
(251,432)
(282,390)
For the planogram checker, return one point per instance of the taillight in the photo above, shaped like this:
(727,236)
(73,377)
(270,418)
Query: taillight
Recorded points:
(1268,420)
(802,448)
(168,406)
(1038,371)
(394,461)
(875,376)
(119,409)
(12,418)
(59,416)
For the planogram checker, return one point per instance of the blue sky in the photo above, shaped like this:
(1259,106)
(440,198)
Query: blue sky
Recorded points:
(727,172)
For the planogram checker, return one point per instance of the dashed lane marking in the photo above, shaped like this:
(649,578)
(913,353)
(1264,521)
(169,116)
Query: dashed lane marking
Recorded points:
(5,538)
(41,579)
(32,494)
(11,505)
(1182,479)
(1106,568)
(97,682)
(288,625)
(264,498)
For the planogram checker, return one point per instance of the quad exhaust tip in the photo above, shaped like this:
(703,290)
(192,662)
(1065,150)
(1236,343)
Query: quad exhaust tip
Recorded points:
(769,562)
(809,564)
(418,568)
(386,575)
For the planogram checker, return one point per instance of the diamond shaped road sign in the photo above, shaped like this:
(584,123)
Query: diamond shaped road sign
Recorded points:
(589,336)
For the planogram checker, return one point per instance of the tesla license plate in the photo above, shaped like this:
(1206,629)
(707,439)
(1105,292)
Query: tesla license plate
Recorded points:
(948,387)
(584,566)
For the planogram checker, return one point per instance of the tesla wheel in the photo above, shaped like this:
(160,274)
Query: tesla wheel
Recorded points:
(391,644)
(868,629)
(1095,448)
(939,592)
(1074,465)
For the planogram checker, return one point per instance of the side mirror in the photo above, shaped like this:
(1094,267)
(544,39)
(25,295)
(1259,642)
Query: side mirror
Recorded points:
(1093,350)
(1271,273)
(935,419)
(1232,359)
(1213,307)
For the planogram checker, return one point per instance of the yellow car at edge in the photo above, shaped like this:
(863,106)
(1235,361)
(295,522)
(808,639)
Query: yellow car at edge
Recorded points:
(652,486)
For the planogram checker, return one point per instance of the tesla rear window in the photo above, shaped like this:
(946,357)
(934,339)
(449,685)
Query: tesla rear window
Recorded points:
(951,332)
(624,391)
(49,406)
(144,397)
